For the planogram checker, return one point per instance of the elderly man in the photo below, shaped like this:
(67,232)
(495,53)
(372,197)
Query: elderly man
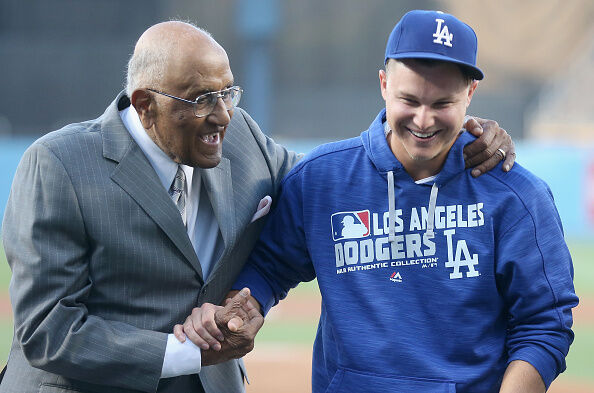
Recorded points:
(117,227)
(456,284)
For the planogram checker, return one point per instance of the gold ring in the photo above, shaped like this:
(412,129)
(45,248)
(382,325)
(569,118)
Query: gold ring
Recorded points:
(502,153)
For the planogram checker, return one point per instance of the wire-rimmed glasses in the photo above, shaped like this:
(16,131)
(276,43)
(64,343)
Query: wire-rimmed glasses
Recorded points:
(205,103)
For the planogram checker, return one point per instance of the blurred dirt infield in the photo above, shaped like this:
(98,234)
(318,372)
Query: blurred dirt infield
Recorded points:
(274,368)
(5,309)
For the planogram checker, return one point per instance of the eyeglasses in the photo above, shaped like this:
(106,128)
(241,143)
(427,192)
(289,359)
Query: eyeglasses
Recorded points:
(204,104)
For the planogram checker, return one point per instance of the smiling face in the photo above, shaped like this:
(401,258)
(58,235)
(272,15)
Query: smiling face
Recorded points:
(425,108)
(196,65)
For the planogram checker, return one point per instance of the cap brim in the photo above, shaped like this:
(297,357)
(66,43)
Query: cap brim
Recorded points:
(473,71)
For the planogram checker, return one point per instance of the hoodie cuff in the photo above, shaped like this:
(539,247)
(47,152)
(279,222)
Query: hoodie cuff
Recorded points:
(258,286)
(541,360)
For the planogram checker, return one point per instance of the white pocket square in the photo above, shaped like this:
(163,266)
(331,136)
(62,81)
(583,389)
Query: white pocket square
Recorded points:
(263,208)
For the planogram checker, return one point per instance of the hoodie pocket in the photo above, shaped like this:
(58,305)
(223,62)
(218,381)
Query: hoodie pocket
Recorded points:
(350,381)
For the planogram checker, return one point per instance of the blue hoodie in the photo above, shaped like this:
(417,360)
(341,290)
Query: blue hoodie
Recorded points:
(425,287)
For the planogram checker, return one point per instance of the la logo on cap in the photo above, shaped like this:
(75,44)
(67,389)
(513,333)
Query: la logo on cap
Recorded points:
(442,34)
(423,34)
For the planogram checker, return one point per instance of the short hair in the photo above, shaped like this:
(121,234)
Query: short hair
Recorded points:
(147,64)
(146,67)
(466,73)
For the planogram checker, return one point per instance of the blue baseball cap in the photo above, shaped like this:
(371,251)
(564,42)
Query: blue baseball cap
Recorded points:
(434,35)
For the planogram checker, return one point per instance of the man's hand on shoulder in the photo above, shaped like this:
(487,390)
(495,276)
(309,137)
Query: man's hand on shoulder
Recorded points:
(493,144)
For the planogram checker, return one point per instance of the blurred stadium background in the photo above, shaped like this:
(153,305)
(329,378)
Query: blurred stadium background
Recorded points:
(309,71)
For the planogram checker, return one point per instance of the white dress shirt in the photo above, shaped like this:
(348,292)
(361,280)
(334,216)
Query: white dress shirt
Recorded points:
(181,358)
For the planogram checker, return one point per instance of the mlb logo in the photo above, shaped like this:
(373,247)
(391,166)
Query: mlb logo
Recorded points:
(350,225)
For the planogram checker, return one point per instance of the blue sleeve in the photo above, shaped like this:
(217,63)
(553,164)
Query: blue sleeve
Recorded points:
(535,275)
(280,259)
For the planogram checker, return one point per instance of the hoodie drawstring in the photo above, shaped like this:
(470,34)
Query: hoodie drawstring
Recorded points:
(431,212)
(392,210)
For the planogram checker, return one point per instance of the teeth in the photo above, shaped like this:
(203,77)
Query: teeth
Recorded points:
(211,138)
(421,135)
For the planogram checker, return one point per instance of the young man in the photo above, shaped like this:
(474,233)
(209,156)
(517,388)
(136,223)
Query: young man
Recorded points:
(455,284)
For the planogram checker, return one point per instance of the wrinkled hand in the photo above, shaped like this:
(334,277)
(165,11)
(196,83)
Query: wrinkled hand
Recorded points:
(223,333)
(200,328)
(483,154)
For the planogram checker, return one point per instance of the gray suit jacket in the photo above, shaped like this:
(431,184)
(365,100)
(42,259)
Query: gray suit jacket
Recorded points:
(101,262)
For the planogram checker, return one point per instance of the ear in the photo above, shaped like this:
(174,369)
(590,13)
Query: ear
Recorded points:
(144,103)
(471,90)
(383,78)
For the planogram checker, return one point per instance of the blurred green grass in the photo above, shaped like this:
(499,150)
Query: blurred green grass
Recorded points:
(582,253)
(4,271)
(302,332)
(5,320)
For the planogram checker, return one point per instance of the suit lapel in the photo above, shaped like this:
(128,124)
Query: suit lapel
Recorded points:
(219,187)
(135,175)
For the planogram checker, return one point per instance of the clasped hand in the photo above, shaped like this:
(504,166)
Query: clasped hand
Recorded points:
(223,332)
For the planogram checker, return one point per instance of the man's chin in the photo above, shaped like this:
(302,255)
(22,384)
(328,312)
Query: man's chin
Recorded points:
(420,157)
(206,162)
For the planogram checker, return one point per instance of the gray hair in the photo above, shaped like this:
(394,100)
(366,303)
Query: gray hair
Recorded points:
(146,67)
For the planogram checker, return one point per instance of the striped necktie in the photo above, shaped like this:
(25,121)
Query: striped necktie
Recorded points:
(177,192)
